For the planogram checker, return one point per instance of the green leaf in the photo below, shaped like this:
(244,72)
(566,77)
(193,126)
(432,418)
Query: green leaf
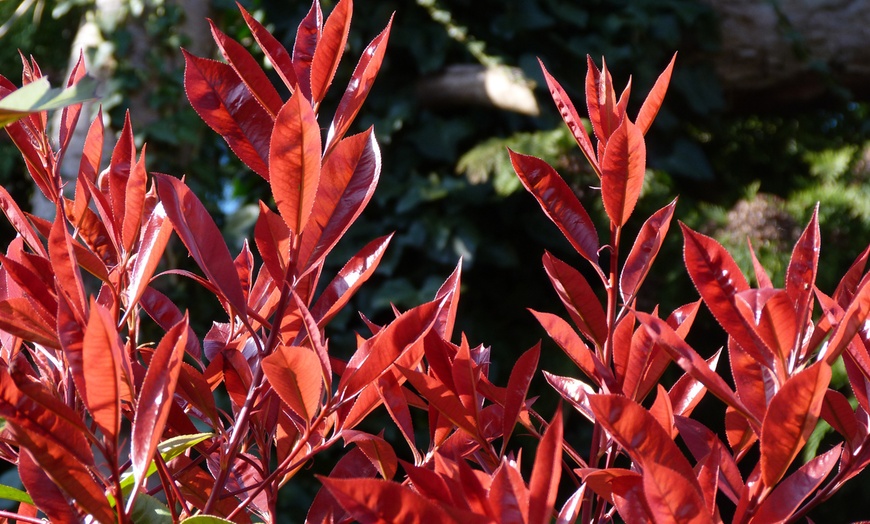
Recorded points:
(39,96)
(10,493)
(168,449)
(149,510)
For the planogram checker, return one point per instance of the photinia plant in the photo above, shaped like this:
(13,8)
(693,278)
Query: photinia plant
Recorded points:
(104,423)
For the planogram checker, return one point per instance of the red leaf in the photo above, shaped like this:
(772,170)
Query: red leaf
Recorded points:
(718,279)
(567,339)
(294,373)
(653,101)
(348,280)
(663,411)
(315,340)
(466,375)
(223,101)
(156,397)
(18,317)
(761,276)
(19,222)
(376,449)
(69,115)
(329,49)
(307,37)
(393,396)
(347,182)
(167,314)
(517,388)
(380,351)
(443,399)
(155,236)
(272,237)
(687,391)
(644,251)
(837,412)
(101,363)
(692,363)
(602,481)
(358,88)
(45,494)
(791,417)
(787,497)
(375,501)
(579,299)
(202,238)
(294,162)
(274,51)
(247,69)
(354,464)
(559,203)
(702,443)
(852,320)
(508,494)
(546,472)
(571,118)
(670,486)
(576,392)
(67,276)
(622,170)
(800,276)
(601,101)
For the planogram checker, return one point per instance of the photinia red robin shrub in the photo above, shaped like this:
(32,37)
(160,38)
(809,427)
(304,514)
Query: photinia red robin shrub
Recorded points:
(103,423)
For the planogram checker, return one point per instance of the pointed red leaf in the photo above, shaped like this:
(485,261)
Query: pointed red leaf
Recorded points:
(155,235)
(374,500)
(787,497)
(272,48)
(307,38)
(601,101)
(19,222)
(517,389)
(718,279)
(329,49)
(687,391)
(791,417)
(579,299)
(69,115)
(838,412)
(354,464)
(376,449)
(442,399)
(671,488)
(800,276)
(67,276)
(156,397)
(663,411)
(202,238)
(603,481)
(294,373)
(348,280)
(559,203)
(622,170)
(573,346)
(644,251)
(575,391)
(347,182)
(101,362)
(134,203)
(45,494)
(466,375)
(380,351)
(358,88)
(508,494)
(692,363)
(294,162)
(852,321)
(571,118)
(248,70)
(653,101)
(223,101)
(761,276)
(393,396)
(114,183)
(544,483)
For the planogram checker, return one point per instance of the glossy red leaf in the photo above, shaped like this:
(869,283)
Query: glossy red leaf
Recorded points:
(156,397)
(307,37)
(18,317)
(622,171)
(272,48)
(601,101)
(644,251)
(166,314)
(508,494)
(379,352)
(372,501)
(67,276)
(601,481)
(852,321)
(718,279)
(573,346)
(544,483)
(571,118)
(376,449)
(517,388)
(575,391)
(330,48)
(687,391)
(761,276)
(348,280)
(466,375)
(393,396)
(272,237)
(559,203)
(838,412)
(101,363)
(19,222)
(653,101)
(295,374)
(45,494)
(689,360)
(223,101)
(315,339)
(202,238)
(69,115)
(787,497)
(663,411)
(851,279)
(670,486)
(800,276)
(89,166)
(443,399)
(36,284)
(579,299)
(358,88)
(791,417)
(702,442)
(248,70)
(352,465)
(347,182)
(155,235)
(294,162)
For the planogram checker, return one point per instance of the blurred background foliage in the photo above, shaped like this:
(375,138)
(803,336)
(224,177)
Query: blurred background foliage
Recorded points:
(447,188)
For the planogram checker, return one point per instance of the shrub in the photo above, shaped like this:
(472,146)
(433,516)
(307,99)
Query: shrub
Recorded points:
(102,420)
